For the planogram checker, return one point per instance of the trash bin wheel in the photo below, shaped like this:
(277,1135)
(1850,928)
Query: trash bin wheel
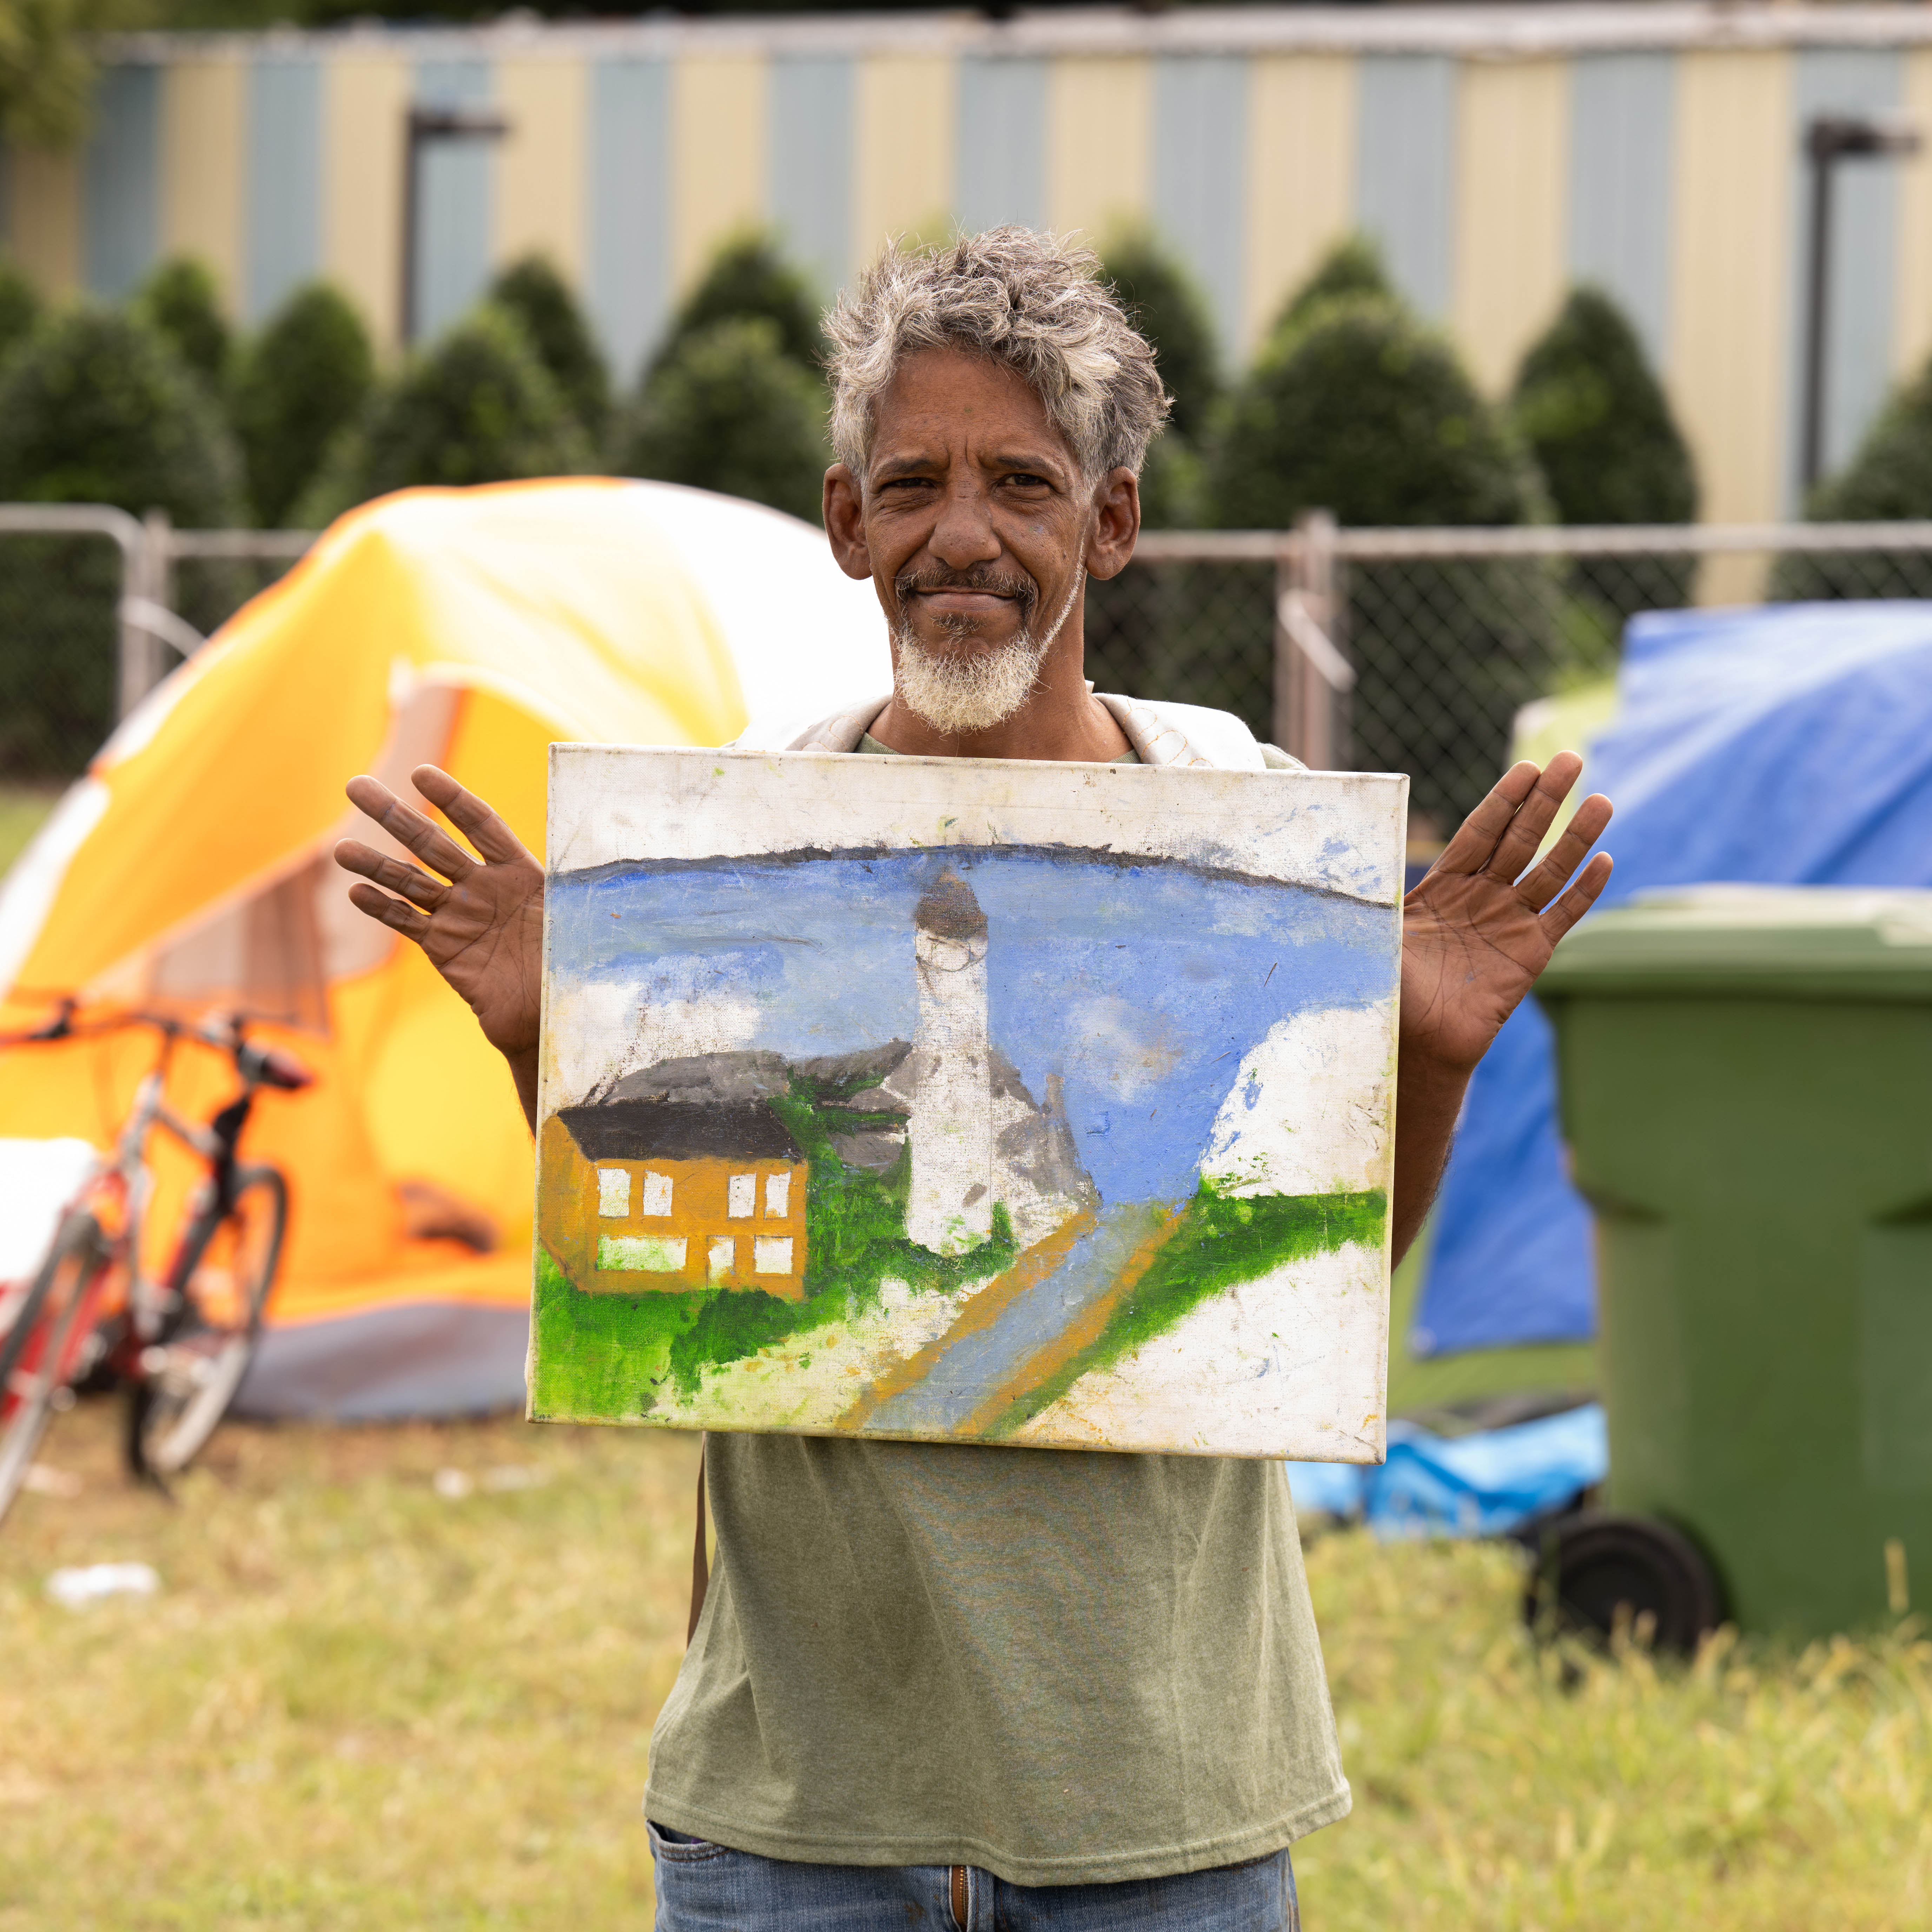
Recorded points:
(1593,1565)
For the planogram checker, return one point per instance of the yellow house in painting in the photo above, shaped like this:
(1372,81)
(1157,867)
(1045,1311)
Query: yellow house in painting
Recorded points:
(641,1194)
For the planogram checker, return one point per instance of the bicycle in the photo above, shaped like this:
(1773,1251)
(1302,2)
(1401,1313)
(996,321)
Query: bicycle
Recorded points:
(181,1344)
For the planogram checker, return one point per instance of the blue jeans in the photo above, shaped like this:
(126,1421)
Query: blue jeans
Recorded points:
(707,1887)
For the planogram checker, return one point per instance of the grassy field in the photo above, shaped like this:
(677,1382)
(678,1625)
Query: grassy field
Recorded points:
(366,1697)
(21,809)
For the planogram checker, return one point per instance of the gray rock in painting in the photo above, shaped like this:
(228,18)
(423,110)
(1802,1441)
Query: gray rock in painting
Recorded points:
(874,1149)
(877,1060)
(1038,1147)
(719,1078)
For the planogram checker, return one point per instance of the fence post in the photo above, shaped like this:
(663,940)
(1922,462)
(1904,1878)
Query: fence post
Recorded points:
(148,582)
(132,681)
(1310,674)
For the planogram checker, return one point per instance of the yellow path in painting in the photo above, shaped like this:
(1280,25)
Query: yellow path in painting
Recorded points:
(1032,1267)
(1081,1332)
(1024,1328)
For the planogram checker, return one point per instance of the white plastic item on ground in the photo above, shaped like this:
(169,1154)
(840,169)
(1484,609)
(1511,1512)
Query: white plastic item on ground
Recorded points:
(92,1582)
(37,1179)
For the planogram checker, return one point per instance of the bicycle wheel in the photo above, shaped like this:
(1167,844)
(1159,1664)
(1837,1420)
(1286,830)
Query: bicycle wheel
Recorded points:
(42,1348)
(221,1283)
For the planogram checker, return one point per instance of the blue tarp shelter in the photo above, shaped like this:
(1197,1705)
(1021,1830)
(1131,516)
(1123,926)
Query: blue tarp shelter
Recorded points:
(1485,1484)
(1790,745)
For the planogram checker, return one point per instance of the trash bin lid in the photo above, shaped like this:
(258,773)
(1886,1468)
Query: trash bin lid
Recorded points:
(1824,942)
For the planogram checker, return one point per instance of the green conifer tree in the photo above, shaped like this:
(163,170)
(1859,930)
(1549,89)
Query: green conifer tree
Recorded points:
(298,385)
(20,308)
(95,408)
(1888,480)
(180,299)
(731,410)
(478,406)
(533,291)
(1597,422)
(1362,411)
(1167,308)
(1353,267)
(750,277)
(1358,409)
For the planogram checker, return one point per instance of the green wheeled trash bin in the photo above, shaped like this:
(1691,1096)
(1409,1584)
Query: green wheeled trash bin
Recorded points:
(1745,1080)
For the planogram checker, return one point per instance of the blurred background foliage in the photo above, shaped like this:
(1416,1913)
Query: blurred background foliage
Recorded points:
(1353,404)
(729,410)
(308,373)
(96,406)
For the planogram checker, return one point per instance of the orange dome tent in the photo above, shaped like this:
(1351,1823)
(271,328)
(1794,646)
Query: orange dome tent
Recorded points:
(189,870)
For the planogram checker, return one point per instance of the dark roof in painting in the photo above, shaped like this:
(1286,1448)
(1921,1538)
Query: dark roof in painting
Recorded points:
(673,1130)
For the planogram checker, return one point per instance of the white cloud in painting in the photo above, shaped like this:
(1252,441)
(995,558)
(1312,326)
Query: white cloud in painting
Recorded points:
(597,1031)
(1309,1111)
(1119,1046)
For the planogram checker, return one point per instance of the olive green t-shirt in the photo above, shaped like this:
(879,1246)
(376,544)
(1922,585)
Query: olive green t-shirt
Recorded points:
(1061,1666)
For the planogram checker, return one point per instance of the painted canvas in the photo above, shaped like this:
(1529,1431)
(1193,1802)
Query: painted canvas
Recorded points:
(968,1100)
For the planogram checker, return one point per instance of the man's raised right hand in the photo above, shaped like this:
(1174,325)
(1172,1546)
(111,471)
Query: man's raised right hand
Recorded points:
(481,923)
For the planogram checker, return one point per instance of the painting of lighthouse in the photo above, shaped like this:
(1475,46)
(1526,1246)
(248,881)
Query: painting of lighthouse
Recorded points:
(974,1101)
(950,1128)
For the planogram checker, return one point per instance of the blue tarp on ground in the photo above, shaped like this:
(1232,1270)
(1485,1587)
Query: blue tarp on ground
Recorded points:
(1786,745)
(1486,1484)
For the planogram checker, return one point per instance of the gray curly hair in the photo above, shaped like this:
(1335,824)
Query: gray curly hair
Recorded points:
(1031,300)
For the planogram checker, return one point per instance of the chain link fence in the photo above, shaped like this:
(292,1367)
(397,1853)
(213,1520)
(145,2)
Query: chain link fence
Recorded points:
(96,607)
(1413,650)
(1390,650)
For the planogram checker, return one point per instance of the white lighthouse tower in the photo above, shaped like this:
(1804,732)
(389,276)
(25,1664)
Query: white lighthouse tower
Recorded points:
(950,1129)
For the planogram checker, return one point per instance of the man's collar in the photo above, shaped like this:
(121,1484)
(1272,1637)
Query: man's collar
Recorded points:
(1161,734)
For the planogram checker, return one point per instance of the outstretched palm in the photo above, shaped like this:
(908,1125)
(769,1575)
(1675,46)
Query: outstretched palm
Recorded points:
(1474,934)
(481,923)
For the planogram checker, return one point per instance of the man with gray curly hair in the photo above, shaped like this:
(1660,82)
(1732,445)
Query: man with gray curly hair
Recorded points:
(973,1687)
(992,408)
(1018,301)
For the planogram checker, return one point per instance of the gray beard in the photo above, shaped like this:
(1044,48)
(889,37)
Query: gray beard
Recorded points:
(965,690)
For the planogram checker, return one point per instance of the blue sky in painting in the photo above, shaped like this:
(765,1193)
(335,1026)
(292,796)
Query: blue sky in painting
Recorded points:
(1141,985)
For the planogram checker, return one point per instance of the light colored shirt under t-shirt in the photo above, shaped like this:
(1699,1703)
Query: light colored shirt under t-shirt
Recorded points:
(1061,1666)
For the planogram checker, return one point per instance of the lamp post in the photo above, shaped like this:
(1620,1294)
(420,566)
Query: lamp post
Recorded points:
(1828,140)
(424,125)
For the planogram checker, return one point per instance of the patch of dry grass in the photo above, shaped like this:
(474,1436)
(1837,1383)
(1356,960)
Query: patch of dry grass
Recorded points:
(1501,1787)
(359,1702)
(355,1702)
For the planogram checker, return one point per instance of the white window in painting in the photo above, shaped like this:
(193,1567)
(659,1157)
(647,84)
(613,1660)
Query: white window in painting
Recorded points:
(771,1254)
(777,1193)
(723,1254)
(613,1192)
(657,1194)
(646,1254)
(740,1192)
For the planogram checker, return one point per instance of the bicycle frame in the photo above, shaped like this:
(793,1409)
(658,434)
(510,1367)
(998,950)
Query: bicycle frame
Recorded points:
(92,1302)
(120,1192)
(147,1298)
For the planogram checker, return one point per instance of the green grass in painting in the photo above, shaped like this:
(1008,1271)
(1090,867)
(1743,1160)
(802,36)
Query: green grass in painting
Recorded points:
(609,1357)
(1224,1239)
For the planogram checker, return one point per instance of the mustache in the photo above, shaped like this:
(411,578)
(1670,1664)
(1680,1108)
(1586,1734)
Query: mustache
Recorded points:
(1022,590)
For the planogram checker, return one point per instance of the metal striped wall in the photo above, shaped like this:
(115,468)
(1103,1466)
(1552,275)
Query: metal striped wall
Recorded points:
(1671,177)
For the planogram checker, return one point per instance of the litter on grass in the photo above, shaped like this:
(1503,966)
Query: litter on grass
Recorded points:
(453,1485)
(90,1582)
